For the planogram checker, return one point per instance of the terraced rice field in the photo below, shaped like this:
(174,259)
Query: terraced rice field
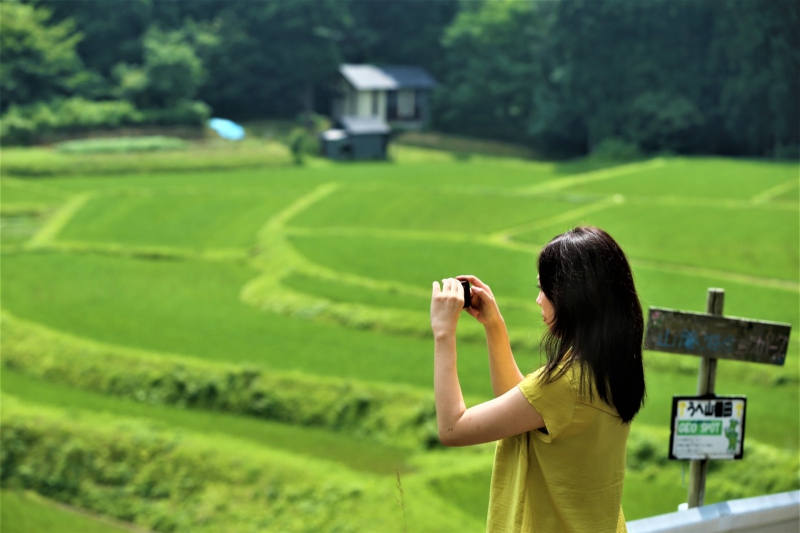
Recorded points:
(321,275)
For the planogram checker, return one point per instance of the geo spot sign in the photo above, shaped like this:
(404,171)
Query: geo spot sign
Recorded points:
(707,427)
(716,336)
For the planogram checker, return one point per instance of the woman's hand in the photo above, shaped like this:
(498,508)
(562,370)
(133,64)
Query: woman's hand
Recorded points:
(446,306)
(484,307)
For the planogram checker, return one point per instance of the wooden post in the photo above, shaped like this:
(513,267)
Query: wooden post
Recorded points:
(705,385)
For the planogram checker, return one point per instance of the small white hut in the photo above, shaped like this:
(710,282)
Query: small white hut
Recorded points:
(398,95)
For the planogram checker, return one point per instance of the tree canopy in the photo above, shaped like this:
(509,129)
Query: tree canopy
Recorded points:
(39,60)
(561,76)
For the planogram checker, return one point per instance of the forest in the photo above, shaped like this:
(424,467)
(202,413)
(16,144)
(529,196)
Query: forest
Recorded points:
(561,77)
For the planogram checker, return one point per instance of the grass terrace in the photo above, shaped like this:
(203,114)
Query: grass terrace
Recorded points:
(260,330)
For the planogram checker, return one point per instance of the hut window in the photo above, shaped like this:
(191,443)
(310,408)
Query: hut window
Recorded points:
(375,101)
(405,104)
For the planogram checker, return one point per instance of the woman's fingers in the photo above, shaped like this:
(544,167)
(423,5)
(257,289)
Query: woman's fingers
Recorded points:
(478,292)
(452,288)
(476,282)
(446,286)
(482,294)
(450,285)
(446,306)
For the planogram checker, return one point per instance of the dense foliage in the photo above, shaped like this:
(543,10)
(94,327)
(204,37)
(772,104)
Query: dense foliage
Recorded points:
(173,482)
(561,77)
(664,74)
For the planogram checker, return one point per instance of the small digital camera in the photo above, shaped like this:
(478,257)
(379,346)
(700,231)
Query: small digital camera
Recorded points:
(467,295)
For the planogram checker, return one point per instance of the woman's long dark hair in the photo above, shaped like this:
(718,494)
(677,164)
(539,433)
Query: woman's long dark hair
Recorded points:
(598,318)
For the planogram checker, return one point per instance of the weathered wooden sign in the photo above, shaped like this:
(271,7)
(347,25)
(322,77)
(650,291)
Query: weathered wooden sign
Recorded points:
(715,336)
(695,430)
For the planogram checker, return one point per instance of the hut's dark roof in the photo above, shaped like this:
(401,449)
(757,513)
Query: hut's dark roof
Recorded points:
(370,77)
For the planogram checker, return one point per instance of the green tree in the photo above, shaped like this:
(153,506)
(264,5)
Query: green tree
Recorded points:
(171,72)
(273,56)
(493,70)
(628,70)
(399,32)
(39,59)
(758,50)
(112,31)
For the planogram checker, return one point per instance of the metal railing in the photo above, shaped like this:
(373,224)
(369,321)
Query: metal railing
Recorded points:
(775,513)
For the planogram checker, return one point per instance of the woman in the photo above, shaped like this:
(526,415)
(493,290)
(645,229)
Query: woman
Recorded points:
(560,460)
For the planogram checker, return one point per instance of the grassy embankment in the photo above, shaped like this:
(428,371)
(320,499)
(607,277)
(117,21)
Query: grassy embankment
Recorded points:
(325,270)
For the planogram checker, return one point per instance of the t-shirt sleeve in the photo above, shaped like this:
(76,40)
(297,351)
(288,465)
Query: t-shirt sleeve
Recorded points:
(555,402)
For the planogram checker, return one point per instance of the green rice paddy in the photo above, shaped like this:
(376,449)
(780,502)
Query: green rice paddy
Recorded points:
(244,265)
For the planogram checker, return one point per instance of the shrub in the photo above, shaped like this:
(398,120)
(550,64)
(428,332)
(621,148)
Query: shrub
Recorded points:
(614,149)
(313,122)
(185,112)
(762,471)
(25,124)
(302,143)
(787,151)
(179,482)
(77,113)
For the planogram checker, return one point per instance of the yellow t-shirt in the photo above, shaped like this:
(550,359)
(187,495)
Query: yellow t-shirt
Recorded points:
(569,479)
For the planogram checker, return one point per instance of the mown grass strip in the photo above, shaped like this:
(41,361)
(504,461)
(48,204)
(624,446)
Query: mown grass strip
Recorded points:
(24,209)
(402,416)
(193,308)
(156,253)
(774,192)
(593,176)
(32,188)
(43,162)
(699,177)
(690,270)
(27,512)
(562,218)
(188,219)
(50,230)
(353,452)
(122,145)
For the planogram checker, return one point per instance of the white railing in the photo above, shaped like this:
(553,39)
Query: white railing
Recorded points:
(775,513)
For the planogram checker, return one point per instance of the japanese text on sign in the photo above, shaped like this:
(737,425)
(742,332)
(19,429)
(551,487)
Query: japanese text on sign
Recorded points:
(707,428)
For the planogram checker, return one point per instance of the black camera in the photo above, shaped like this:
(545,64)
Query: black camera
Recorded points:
(467,295)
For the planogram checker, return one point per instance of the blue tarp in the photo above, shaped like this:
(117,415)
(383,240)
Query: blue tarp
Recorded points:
(227,129)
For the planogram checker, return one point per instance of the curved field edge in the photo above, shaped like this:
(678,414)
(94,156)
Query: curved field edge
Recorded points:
(306,309)
(135,472)
(128,470)
(402,415)
(27,511)
(348,449)
(381,413)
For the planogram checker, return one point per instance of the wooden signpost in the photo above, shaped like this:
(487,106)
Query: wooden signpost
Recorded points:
(711,336)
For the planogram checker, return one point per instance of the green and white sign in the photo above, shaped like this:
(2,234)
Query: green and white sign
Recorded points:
(707,427)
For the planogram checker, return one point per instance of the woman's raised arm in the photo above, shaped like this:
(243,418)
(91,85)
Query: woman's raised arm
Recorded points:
(508,414)
(503,369)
